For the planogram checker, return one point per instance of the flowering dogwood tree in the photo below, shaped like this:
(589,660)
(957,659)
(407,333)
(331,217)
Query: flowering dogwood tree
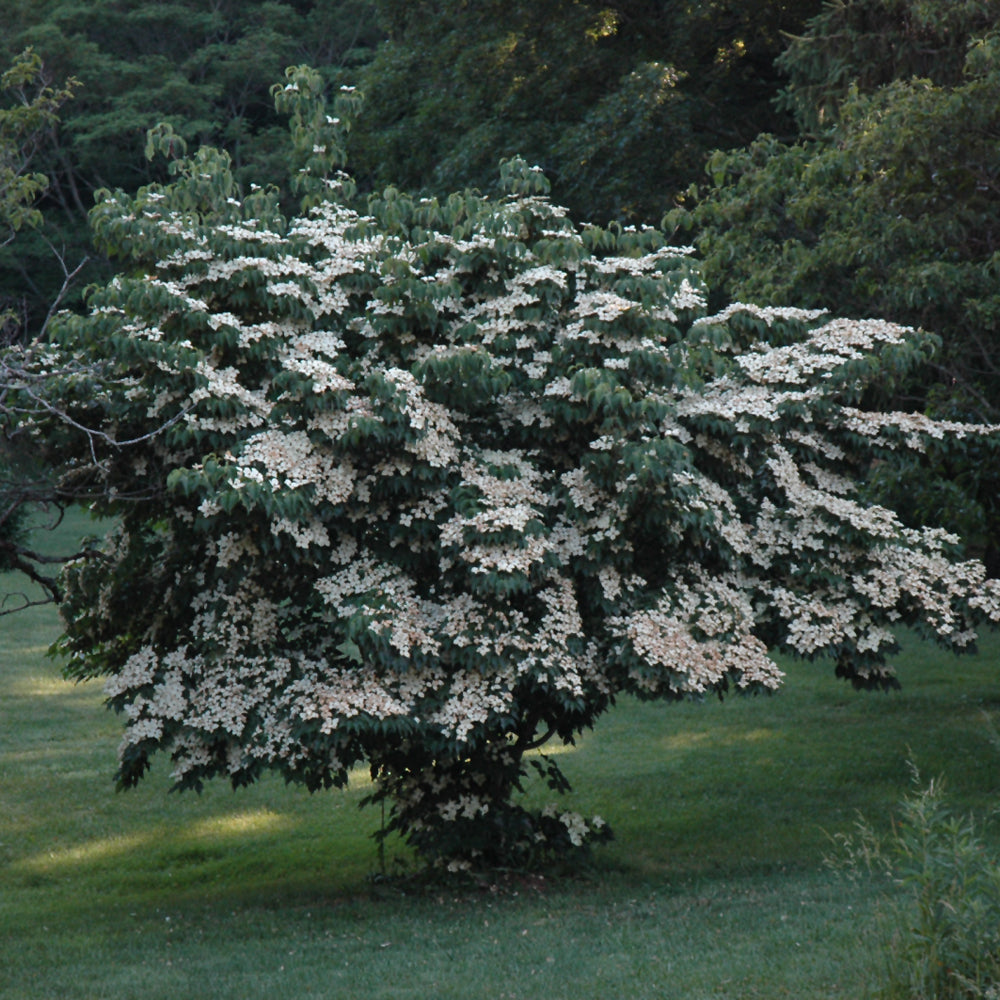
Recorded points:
(432,483)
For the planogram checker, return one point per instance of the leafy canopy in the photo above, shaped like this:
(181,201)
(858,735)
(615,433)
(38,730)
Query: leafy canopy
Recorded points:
(424,484)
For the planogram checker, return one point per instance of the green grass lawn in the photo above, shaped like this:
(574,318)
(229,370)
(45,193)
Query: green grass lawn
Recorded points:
(715,885)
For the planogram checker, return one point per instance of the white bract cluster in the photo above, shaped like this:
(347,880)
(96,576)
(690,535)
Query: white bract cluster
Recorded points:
(443,479)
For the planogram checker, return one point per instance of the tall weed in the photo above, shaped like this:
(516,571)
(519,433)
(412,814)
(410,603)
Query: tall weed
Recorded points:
(942,905)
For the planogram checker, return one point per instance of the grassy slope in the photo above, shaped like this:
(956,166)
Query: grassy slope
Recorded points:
(714,887)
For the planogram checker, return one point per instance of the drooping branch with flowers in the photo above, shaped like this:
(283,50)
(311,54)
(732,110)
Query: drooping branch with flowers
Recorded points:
(434,482)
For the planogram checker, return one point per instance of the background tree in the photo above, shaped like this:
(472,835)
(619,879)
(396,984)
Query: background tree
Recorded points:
(619,102)
(30,106)
(425,484)
(889,208)
(864,45)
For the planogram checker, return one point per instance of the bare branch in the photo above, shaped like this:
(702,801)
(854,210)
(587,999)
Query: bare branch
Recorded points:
(22,561)
(93,434)
(26,603)
(68,278)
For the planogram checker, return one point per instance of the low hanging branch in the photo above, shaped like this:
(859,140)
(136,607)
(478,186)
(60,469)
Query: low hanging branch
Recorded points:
(53,458)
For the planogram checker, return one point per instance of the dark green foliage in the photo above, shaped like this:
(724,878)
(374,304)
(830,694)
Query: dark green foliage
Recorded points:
(618,103)
(12,530)
(205,69)
(866,44)
(29,108)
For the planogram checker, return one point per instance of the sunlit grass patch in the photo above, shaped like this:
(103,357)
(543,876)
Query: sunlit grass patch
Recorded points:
(104,849)
(51,684)
(553,749)
(239,824)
